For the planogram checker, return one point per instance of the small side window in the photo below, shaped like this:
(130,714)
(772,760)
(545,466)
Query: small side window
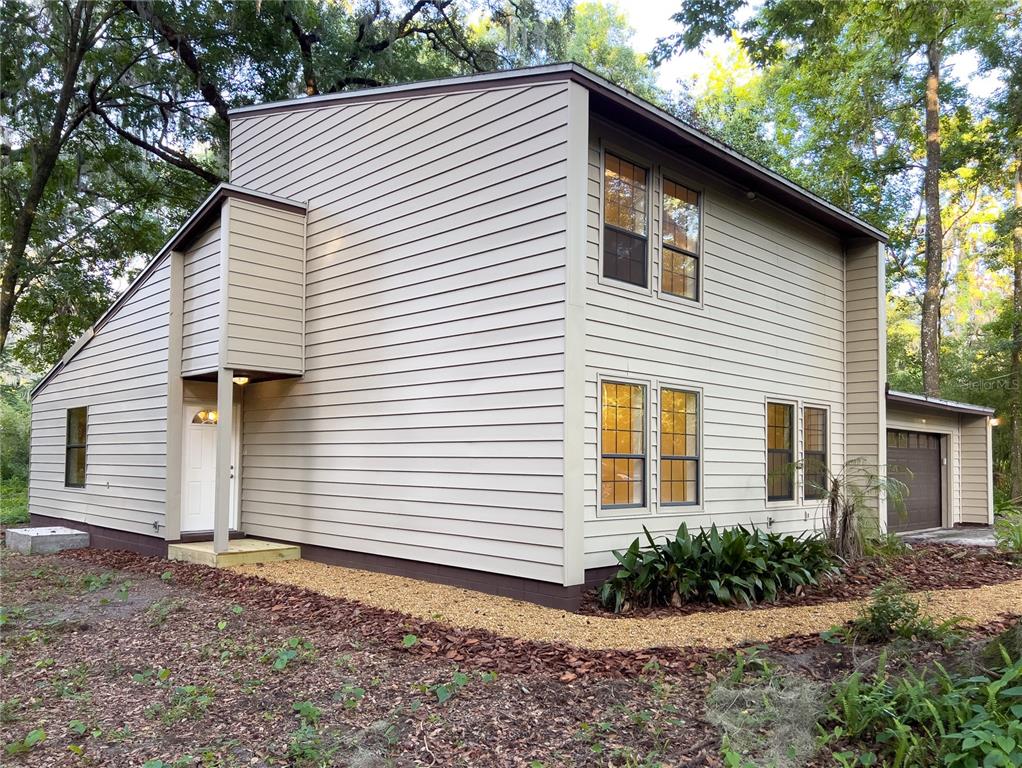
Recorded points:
(815,472)
(74,447)
(780,452)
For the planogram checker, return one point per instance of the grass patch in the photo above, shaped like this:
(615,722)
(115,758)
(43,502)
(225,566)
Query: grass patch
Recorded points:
(13,503)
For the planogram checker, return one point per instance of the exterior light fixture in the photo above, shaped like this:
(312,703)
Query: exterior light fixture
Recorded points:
(995,422)
(240,380)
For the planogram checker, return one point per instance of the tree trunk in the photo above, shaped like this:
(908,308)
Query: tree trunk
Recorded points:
(79,32)
(1016,341)
(930,330)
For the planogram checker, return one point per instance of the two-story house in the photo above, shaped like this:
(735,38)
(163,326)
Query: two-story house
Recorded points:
(483,330)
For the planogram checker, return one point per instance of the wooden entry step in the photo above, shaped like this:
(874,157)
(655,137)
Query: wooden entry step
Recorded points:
(239,552)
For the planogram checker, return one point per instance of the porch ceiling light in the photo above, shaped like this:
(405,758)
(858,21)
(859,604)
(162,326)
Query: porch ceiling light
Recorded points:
(240,380)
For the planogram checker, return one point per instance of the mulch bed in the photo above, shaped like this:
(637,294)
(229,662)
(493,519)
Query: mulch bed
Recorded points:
(925,567)
(469,648)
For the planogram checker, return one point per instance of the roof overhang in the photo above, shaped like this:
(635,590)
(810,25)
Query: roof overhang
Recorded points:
(936,404)
(621,106)
(194,226)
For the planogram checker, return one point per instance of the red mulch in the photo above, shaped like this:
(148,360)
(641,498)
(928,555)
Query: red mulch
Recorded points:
(470,648)
(925,567)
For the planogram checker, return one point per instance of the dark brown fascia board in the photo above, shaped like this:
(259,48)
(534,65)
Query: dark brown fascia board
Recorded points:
(185,235)
(622,106)
(936,404)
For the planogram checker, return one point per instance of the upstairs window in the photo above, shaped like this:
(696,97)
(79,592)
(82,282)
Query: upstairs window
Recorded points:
(679,447)
(622,445)
(814,440)
(625,221)
(679,274)
(74,447)
(780,454)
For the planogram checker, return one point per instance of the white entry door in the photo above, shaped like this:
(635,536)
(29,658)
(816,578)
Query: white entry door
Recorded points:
(198,492)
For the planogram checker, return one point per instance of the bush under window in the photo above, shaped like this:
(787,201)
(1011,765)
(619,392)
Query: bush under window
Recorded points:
(728,566)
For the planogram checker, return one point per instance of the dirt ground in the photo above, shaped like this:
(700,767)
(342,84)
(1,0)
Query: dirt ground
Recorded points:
(113,659)
(126,669)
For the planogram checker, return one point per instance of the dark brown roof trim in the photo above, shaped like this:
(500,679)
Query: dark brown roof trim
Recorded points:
(203,216)
(622,106)
(936,404)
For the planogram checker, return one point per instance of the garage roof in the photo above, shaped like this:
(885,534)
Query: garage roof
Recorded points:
(935,403)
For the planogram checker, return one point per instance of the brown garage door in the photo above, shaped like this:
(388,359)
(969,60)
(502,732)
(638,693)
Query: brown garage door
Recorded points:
(914,458)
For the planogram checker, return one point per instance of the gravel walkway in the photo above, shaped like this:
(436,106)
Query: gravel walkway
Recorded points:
(513,618)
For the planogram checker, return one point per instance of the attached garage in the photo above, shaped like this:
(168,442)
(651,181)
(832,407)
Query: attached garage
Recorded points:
(941,451)
(915,458)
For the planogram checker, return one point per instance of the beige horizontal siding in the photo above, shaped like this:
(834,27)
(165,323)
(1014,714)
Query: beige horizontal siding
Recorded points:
(200,322)
(429,422)
(976,483)
(771,324)
(266,288)
(121,376)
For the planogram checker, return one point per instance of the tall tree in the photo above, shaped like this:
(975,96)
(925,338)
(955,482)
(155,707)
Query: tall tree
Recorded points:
(875,67)
(1003,53)
(115,124)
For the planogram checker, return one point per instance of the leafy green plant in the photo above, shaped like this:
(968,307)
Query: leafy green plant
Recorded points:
(932,719)
(296,649)
(445,691)
(891,613)
(724,566)
(307,711)
(885,546)
(1008,531)
(26,743)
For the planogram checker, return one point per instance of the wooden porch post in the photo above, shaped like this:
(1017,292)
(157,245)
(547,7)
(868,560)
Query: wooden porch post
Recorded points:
(224,470)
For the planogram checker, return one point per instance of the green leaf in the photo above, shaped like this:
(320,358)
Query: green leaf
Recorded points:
(409,641)
(443,693)
(34,737)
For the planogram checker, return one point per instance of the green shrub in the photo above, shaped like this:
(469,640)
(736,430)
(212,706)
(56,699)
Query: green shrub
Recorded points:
(13,503)
(1008,530)
(885,546)
(736,564)
(929,720)
(891,613)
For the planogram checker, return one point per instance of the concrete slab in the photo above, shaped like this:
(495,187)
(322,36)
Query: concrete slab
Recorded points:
(45,540)
(972,536)
(239,552)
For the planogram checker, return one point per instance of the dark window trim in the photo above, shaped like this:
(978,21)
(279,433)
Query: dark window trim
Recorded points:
(789,452)
(699,445)
(643,457)
(822,457)
(69,446)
